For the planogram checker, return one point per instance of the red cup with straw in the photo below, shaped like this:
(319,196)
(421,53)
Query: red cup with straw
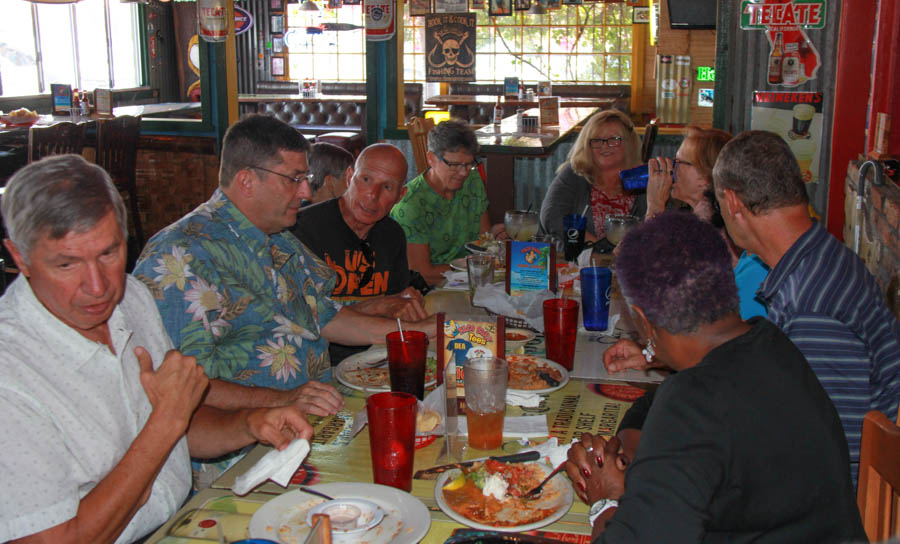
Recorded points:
(406,361)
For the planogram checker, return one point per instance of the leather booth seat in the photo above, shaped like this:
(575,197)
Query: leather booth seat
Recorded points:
(319,117)
(483,113)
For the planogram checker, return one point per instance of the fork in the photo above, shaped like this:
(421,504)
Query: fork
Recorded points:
(540,487)
(377,364)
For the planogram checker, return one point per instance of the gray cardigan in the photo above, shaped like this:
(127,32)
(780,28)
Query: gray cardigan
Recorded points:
(570,193)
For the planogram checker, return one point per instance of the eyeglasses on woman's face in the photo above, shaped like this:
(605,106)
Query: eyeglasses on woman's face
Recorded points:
(598,143)
(458,166)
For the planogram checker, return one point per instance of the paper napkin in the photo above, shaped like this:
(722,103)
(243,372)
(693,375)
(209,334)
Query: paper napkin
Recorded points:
(528,400)
(277,466)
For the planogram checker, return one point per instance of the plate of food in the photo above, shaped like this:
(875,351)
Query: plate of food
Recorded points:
(530,374)
(283,519)
(458,264)
(22,117)
(518,337)
(488,496)
(364,373)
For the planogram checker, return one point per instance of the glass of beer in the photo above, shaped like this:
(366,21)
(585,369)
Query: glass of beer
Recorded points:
(485,380)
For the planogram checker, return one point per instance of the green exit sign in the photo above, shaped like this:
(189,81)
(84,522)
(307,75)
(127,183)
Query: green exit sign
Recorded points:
(706,73)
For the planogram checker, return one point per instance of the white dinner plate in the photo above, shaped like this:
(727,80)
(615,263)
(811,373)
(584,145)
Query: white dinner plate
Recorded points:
(560,504)
(563,380)
(362,360)
(283,519)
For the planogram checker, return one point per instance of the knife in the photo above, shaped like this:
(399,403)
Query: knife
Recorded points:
(433,473)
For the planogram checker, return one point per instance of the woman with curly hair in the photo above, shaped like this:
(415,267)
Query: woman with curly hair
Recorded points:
(740,444)
(590,177)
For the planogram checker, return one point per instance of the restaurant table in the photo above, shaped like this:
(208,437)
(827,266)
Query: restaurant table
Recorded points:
(502,144)
(447,100)
(337,456)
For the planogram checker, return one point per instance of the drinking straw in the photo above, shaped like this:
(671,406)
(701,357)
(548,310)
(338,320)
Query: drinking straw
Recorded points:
(399,326)
(584,211)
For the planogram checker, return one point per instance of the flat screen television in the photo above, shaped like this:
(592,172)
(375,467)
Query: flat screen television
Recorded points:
(692,14)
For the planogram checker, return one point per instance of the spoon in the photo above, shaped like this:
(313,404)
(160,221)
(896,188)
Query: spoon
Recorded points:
(537,490)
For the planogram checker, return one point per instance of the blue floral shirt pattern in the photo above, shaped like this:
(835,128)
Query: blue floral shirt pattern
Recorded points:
(248,306)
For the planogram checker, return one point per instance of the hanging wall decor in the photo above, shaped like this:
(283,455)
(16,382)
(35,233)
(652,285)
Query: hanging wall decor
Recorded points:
(450,46)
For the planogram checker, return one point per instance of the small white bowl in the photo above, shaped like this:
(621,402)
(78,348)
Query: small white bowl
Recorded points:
(513,344)
(348,516)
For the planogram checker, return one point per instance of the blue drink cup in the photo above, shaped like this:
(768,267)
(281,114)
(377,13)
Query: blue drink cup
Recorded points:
(595,288)
(574,225)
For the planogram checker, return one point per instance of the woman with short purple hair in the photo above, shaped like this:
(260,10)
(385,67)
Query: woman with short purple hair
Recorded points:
(741,443)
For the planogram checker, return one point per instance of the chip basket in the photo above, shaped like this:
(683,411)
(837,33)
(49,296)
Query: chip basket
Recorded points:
(514,322)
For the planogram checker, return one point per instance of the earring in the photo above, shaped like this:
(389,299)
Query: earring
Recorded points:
(648,351)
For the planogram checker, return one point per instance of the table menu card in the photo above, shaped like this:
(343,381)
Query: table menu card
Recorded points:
(530,266)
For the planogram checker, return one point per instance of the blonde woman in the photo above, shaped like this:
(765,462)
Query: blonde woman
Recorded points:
(590,176)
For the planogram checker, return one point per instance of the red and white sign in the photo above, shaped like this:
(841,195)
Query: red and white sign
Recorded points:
(379,20)
(243,20)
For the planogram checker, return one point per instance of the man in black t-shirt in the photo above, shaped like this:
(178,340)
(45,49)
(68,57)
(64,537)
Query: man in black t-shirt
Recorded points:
(364,247)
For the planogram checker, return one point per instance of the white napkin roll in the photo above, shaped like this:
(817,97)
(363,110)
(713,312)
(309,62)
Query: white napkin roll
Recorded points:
(277,466)
(528,400)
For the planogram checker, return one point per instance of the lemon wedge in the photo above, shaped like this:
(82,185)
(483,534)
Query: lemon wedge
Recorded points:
(456,483)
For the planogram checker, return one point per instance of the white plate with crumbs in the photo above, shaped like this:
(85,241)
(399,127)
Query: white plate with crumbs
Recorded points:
(283,519)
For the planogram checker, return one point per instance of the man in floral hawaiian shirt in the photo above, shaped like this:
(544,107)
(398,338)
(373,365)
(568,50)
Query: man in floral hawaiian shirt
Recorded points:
(243,295)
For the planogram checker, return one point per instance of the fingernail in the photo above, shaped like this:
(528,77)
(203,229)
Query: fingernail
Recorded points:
(586,472)
(600,460)
(582,487)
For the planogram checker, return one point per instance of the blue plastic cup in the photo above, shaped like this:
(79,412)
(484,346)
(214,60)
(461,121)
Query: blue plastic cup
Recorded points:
(595,287)
(573,226)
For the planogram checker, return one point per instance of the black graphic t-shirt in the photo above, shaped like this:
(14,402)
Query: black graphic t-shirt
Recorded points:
(322,229)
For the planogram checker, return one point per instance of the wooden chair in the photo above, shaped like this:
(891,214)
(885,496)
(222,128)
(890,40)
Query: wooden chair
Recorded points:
(650,133)
(117,153)
(57,139)
(321,530)
(879,477)
(418,131)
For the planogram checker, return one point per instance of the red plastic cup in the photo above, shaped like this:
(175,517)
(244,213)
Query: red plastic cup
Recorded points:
(392,435)
(560,326)
(406,361)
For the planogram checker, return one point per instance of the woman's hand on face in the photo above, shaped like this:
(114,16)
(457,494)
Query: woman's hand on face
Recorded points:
(659,185)
(592,467)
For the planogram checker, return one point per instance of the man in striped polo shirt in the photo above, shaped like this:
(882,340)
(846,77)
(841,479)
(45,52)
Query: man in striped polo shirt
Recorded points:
(819,292)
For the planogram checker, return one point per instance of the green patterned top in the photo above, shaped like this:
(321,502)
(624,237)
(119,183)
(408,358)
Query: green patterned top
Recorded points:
(445,225)
(248,306)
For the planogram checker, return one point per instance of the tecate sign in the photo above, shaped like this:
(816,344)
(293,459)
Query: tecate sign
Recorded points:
(779,15)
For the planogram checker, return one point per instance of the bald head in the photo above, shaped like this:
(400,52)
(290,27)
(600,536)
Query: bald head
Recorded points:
(378,182)
(389,156)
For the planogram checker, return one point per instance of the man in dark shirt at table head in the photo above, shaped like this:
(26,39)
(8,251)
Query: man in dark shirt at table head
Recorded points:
(365,248)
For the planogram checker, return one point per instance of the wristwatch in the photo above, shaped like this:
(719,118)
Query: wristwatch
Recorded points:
(601,506)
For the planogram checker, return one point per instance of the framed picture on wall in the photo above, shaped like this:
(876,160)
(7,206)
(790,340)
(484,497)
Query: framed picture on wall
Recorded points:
(523,5)
(277,66)
(277,24)
(572,2)
(552,4)
(275,4)
(500,8)
(641,15)
(277,44)
(334,4)
(352,2)
(419,7)
(477,4)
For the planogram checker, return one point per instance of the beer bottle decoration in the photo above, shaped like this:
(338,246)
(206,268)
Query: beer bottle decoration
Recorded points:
(498,112)
(775,60)
(790,64)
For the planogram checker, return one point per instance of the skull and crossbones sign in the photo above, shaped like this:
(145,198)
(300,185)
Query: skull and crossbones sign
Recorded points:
(450,49)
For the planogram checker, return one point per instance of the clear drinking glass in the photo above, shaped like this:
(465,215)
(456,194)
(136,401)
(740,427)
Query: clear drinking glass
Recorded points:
(521,225)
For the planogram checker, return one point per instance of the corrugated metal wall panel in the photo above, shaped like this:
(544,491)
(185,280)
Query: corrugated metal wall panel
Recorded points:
(748,56)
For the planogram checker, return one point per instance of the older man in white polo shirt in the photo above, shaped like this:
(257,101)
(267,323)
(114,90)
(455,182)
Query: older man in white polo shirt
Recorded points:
(100,414)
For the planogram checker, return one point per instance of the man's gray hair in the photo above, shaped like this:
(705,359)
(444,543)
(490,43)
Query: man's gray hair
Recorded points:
(55,196)
(761,170)
(327,160)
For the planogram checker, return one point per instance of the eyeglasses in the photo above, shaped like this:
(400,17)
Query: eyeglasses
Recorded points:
(612,141)
(458,165)
(679,162)
(369,256)
(295,180)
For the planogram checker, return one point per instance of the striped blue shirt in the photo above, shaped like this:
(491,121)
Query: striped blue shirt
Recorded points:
(823,297)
